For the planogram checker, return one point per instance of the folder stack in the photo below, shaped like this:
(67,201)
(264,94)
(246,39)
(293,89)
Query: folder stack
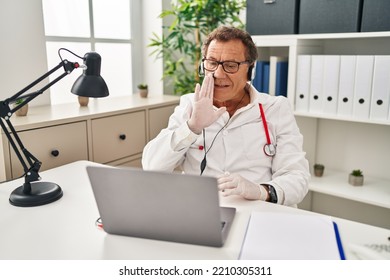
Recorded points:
(271,76)
(344,85)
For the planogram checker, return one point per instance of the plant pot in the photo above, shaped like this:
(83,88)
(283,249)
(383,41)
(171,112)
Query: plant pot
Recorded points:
(319,171)
(83,101)
(22,111)
(355,180)
(143,93)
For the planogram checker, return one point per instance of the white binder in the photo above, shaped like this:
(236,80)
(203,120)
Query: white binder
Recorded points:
(302,83)
(363,83)
(346,85)
(330,85)
(316,80)
(380,95)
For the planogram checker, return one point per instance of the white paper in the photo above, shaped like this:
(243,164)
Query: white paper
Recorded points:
(288,236)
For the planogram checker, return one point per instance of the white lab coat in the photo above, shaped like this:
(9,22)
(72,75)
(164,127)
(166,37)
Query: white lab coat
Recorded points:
(238,147)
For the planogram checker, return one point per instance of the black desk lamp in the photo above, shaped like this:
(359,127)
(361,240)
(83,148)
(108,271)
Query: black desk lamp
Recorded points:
(90,84)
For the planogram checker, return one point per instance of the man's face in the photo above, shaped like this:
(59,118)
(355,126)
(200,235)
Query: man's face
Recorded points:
(227,86)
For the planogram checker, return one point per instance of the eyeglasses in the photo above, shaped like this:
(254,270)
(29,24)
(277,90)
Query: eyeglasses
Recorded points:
(230,67)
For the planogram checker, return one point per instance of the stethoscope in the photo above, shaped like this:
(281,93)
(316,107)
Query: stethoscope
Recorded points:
(269,148)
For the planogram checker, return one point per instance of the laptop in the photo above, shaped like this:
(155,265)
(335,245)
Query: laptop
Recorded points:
(159,205)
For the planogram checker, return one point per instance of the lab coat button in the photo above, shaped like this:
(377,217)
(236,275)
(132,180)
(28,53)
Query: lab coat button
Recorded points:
(225,132)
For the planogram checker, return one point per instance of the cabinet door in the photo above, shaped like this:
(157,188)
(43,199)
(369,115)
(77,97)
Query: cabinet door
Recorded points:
(158,119)
(53,146)
(118,136)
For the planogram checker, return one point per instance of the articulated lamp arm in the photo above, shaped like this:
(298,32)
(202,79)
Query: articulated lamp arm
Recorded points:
(90,83)
(31,164)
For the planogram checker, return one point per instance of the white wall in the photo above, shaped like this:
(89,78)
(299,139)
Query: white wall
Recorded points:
(153,69)
(22,51)
(22,48)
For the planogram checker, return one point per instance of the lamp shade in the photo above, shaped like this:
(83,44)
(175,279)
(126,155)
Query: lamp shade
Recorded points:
(90,83)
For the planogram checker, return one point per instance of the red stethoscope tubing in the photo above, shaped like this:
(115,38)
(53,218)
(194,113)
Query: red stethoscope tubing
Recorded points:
(265,124)
(268,148)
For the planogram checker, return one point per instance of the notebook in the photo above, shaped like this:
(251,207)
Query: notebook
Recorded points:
(292,236)
(160,205)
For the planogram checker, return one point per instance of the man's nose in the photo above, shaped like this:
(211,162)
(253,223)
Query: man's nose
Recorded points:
(219,72)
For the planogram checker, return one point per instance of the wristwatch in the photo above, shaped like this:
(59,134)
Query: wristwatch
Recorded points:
(273,197)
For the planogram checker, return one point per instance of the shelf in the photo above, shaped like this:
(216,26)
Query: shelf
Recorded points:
(291,37)
(374,191)
(339,142)
(341,118)
(39,116)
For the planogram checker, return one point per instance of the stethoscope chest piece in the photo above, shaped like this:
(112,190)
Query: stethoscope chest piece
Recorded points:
(269,150)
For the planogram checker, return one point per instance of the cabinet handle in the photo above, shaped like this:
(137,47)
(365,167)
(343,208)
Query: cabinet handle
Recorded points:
(122,136)
(55,153)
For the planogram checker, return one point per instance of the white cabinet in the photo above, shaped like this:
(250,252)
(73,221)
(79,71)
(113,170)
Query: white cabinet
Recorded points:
(340,143)
(112,131)
(53,146)
(158,119)
(118,136)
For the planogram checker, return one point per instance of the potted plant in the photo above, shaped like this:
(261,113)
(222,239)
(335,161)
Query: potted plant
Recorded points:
(23,110)
(143,90)
(356,178)
(83,100)
(318,170)
(181,42)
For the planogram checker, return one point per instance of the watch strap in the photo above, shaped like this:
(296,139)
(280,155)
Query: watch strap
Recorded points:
(273,197)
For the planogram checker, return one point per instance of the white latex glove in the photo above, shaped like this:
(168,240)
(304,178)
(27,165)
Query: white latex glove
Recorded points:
(235,184)
(203,113)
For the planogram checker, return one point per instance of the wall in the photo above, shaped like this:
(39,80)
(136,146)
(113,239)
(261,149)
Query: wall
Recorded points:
(22,51)
(22,48)
(153,68)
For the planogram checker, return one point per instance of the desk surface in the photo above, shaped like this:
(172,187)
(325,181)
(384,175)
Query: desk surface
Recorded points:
(66,228)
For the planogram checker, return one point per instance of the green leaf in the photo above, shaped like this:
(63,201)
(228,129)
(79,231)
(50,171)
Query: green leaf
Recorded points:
(178,46)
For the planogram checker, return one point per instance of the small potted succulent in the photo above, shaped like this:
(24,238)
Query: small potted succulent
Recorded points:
(318,170)
(356,178)
(143,90)
(83,101)
(23,110)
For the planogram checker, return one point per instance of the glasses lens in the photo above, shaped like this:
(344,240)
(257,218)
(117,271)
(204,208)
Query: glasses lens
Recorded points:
(230,66)
(210,65)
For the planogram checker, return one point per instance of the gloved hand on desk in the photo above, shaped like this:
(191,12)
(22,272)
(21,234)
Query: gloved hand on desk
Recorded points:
(235,184)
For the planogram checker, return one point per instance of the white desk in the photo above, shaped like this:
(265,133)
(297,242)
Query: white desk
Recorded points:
(66,228)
